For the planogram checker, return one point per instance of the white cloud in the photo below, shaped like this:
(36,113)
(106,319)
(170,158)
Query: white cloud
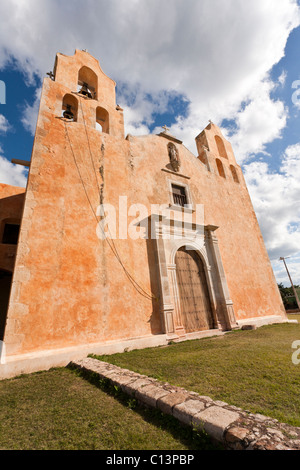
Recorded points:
(282,78)
(296,94)
(276,200)
(260,122)
(30,113)
(213,53)
(140,109)
(293,266)
(133,122)
(10,173)
(14,175)
(4,124)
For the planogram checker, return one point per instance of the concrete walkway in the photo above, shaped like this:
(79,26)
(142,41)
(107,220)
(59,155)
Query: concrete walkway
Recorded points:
(233,427)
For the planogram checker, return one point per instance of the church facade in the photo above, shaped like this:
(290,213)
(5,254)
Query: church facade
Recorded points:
(122,242)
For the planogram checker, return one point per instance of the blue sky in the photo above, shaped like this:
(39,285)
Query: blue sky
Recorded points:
(177,65)
(17,141)
(290,64)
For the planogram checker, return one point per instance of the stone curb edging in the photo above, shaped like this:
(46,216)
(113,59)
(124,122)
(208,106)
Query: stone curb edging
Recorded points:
(228,425)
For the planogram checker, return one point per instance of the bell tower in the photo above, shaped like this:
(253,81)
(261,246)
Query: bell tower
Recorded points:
(217,155)
(84,94)
(79,152)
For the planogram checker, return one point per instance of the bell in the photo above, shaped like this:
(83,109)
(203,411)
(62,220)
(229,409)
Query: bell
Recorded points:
(68,113)
(85,91)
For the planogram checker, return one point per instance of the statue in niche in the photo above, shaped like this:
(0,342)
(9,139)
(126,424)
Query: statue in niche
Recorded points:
(174,157)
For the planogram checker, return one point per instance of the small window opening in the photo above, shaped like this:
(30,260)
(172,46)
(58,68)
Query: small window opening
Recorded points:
(220,168)
(234,174)
(179,195)
(10,234)
(102,120)
(221,147)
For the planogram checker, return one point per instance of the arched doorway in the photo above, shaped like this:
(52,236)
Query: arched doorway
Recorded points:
(5,285)
(196,310)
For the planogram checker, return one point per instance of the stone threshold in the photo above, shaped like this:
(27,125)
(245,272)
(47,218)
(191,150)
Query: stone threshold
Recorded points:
(200,335)
(234,428)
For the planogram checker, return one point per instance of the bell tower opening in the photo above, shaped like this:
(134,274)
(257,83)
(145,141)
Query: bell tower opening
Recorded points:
(87,83)
(220,168)
(70,107)
(102,120)
(234,174)
(221,147)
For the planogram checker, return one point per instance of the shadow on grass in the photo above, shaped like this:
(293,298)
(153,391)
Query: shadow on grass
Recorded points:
(194,439)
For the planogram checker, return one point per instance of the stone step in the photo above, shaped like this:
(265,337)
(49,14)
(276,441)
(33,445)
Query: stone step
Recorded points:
(234,428)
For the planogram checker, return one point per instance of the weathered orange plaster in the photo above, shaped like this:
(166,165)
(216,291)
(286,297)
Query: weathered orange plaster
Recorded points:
(69,288)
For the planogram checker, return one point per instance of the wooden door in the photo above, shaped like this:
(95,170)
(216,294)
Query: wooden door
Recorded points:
(196,311)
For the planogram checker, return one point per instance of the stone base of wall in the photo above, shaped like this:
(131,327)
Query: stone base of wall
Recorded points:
(12,366)
(262,321)
(232,427)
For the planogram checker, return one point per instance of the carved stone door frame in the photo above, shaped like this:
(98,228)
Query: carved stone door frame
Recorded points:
(169,238)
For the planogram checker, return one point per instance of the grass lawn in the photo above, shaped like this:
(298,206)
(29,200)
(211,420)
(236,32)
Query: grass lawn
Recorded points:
(59,410)
(249,369)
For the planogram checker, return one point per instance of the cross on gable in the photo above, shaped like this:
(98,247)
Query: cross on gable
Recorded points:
(165,128)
